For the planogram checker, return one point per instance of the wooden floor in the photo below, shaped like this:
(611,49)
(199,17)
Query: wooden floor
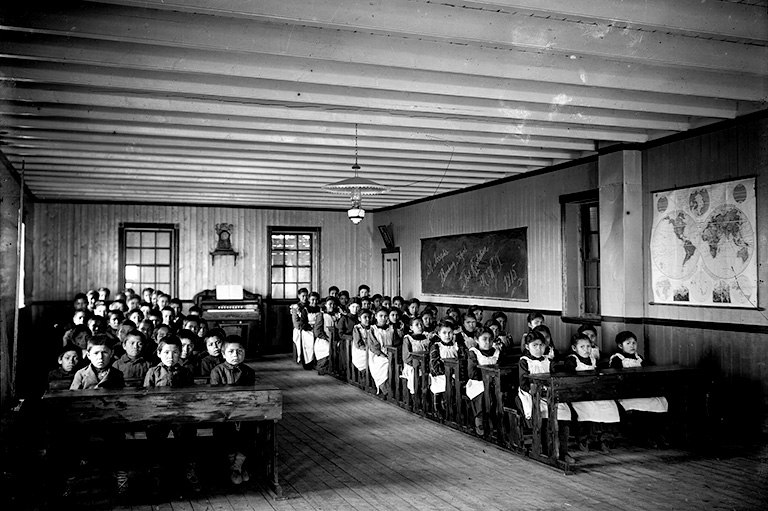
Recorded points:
(341,449)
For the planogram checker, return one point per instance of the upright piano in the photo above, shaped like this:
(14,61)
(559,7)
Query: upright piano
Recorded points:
(241,317)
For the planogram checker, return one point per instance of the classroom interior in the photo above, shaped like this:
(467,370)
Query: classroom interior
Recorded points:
(476,117)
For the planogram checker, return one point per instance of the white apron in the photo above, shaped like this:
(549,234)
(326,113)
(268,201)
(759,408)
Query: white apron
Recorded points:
(594,411)
(379,367)
(437,383)
(539,367)
(642,404)
(477,387)
(360,355)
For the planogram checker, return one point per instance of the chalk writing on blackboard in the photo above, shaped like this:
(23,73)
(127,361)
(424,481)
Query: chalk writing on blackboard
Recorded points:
(488,264)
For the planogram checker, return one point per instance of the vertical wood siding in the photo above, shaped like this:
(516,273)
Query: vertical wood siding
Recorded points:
(76,246)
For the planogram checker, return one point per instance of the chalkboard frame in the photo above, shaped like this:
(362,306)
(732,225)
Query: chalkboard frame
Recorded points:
(517,235)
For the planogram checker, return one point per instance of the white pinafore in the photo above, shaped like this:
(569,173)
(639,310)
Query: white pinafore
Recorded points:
(540,367)
(360,355)
(302,339)
(409,373)
(643,404)
(437,383)
(476,387)
(323,346)
(594,411)
(379,364)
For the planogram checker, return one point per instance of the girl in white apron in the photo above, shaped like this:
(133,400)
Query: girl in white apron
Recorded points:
(302,332)
(651,424)
(415,341)
(360,334)
(468,331)
(589,412)
(484,354)
(443,347)
(324,332)
(314,316)
(534,361)
(382,336)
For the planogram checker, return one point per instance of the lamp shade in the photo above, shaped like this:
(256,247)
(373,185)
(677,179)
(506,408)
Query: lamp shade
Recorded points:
(356,214)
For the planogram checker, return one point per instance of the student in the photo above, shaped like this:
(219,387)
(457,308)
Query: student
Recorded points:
(468,331)
(382,336)
(78,336)
(177,307)
(477,312)
(237,437)
(376,301)
(589,412)
(303,339)
(104,294)
(189,341)
(363,291)
(132,364)
(170,373)
(345,326)
(155,317)
(534,361)
(133,302)
(360,335)
(333,291)
(118,305)
(444,347)
(501,318)
(550,352)
(533,320)
(213,357)
(325,334)
(167,316)
(398,327)
(484,354)
(642,414)
(146,295)
(365,303)
(428,323)
(93,297)
(162,301)
(386,302)
(147,328)
(195,311)
(413,308)
(100,309)
(136,316)
(397,303)
(114,318)
(454,313)
(69,364)
(343,299)
(414,341)
(99,374)
(314,316)
(591,333)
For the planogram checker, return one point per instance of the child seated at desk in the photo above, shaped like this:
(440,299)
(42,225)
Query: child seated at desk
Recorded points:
(534,361)
(132,364)
(484,354)
(414,341)
(213,343)
(189,341)
(382,336)
(642,411)
(360,334)
(590,412)
(69,364)
(170,373)
(443,347)
(238,436)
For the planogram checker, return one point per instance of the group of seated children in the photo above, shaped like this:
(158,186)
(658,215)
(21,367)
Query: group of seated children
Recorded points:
(370,324)
(164,354)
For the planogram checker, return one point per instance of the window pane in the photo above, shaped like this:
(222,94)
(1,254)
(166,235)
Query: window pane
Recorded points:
(290,258)
(131,272)
(290,275)
(592,301)
(134,285)
(277,241)
(304,284)
(594,224)
(132,239)
(290,241)
(277,275)
(132,256)
(277,291)
(147,256)
(305,274)
(592,274)
(304,242)
(148,274)
(147,239)
(290,290)
(163,256)
(277,259)
(305,259)
(163,274)
(163,239)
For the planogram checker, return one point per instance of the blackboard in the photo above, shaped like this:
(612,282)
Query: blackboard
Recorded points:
(484,265)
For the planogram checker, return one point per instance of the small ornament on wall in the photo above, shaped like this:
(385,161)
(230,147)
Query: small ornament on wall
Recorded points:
(224,243)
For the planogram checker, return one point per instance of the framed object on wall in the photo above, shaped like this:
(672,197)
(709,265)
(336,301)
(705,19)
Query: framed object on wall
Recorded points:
(703,245)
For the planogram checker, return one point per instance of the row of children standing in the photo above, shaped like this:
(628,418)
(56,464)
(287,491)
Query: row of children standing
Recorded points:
(163,350)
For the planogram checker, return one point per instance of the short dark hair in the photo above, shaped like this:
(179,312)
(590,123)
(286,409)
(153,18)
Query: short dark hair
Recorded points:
(136,333)
(302,290)
(344,293)
(625,335)
(99,340)
(363,286)
(533,315)
(583,328)
(170,339)
(232,339)
(333,288)
(78,296)
(575,338)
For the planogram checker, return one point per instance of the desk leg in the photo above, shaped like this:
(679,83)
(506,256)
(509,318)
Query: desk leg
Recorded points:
(553,431)
(487,421)
(274,484)
(536,422)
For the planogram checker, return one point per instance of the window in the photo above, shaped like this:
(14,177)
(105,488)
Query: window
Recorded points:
(581,256)
(149,257)
(590,251)
(293,261)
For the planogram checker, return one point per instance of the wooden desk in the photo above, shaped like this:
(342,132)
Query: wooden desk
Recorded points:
(129,382)
(131,409)
(495,377)
(422,396)
(603,384)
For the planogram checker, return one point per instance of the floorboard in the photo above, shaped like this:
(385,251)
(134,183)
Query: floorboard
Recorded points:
(343,450)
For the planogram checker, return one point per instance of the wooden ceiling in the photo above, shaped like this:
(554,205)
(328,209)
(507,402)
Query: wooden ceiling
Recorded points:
(255,103)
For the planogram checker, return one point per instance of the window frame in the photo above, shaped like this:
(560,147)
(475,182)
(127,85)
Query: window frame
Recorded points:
(573,244)
(314,232)
(154,227)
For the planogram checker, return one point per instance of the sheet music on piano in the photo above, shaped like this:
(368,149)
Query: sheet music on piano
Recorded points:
(229,292)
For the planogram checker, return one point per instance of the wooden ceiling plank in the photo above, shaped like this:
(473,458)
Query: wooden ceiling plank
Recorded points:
(309,42)
(74,50)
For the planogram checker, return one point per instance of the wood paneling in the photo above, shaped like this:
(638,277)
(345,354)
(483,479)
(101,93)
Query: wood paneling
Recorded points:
(76,246)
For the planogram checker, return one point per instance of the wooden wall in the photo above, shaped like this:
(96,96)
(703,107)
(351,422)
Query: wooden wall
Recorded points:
(76,246)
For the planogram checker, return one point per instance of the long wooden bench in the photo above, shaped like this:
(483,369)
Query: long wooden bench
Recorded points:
(681,384)
(131,409)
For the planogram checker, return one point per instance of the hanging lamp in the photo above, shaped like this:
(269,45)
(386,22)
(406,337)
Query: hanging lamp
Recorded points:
(356,187)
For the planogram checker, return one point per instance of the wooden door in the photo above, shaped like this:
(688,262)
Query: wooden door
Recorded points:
(391,269)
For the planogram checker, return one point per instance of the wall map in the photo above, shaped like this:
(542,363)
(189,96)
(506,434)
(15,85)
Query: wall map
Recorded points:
(703,245)
(485,265)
